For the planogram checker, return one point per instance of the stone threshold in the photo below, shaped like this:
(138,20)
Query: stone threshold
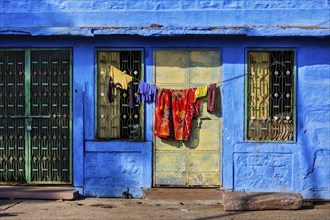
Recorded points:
(38,192)
(202,196)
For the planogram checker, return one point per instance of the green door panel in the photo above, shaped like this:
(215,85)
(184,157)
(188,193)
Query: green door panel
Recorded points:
(12,121)
(50,101)
(35,120)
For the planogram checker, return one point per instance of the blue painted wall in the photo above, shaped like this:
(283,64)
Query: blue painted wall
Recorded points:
(95,17)
(109,168)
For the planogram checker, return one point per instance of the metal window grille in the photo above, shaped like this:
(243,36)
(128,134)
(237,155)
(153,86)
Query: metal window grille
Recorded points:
(270,95)
(116,120)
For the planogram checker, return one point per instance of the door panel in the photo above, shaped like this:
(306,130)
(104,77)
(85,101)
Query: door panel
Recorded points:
(171,168)
(204,67)
(168,145)
(206,128)
(35,121)
(195,162)
(168,63)
(50,111)
(12,121)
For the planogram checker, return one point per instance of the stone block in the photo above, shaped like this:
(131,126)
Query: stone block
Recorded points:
(239,201)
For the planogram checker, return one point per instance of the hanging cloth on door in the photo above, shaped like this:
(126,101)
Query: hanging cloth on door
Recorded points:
(179,106)
(201,91)
(192,110)
(175,110)
(163,124)
(211,97)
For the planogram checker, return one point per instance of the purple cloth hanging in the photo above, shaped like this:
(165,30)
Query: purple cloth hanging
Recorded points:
(146,92)
(131,94)
(109,93)
(153,93)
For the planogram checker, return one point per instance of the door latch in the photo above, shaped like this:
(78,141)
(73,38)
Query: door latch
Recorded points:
(28,127)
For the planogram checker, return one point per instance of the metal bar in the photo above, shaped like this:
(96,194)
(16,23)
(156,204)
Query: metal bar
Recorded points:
(70,120)
(27,112)
(29,116)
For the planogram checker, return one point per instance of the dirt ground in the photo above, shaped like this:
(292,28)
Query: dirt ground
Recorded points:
(102,208)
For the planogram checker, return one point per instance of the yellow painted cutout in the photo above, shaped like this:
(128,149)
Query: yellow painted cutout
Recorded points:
(108,126)
(197,161)
(258,85)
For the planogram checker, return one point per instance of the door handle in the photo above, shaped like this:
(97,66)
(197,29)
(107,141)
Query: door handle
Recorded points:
(28,127)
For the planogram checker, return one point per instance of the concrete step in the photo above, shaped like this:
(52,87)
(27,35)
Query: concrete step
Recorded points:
(182,195)
(38,192)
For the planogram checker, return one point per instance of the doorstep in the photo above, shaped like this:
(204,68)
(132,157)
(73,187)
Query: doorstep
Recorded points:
(38,192)
(203,196)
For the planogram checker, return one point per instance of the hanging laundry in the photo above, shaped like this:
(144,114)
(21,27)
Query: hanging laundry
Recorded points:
(192,110)
(211,97)
(179,105)
(131,94)
(163,125)
(146,92)
(201,91)
(175,110)
(118,79)
(153,93)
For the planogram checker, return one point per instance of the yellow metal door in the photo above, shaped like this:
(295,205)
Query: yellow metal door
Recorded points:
(197,161)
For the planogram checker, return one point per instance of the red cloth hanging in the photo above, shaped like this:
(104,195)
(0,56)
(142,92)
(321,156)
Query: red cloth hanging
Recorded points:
(175,110)
(179,103)
(192,110)
(163,125)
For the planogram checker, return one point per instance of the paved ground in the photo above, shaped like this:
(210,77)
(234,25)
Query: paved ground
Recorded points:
(100,208)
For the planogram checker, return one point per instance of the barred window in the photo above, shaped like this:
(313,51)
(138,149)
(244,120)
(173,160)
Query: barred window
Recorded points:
(116,120)
(270,99)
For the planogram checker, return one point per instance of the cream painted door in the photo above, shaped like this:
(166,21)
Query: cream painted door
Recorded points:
(196,162)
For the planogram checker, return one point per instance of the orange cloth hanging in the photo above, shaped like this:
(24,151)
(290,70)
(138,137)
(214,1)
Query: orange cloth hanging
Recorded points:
(163,125)
(175,110)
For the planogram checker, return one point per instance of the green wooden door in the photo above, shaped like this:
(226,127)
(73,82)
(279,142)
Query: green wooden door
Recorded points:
(35,119)
(196,162)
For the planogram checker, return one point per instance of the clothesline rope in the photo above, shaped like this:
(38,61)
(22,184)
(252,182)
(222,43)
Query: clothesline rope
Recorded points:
(223,81)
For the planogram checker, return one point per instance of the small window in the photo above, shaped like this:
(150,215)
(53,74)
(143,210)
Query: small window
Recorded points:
(270,98)
(116,120)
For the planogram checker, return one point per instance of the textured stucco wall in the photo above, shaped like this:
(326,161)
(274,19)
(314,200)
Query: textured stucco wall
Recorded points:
(90,18)
(308,157)
(108,168)
(113,169)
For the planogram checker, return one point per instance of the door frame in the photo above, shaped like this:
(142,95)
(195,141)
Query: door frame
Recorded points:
(220,50)
(27,69)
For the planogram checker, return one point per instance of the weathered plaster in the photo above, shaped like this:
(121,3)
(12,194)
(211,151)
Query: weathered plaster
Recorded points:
(169,31)
(167,17)
(108,168)
(307,157)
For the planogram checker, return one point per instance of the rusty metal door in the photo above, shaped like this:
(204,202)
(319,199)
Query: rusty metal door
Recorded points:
(196,162)
(35,121)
